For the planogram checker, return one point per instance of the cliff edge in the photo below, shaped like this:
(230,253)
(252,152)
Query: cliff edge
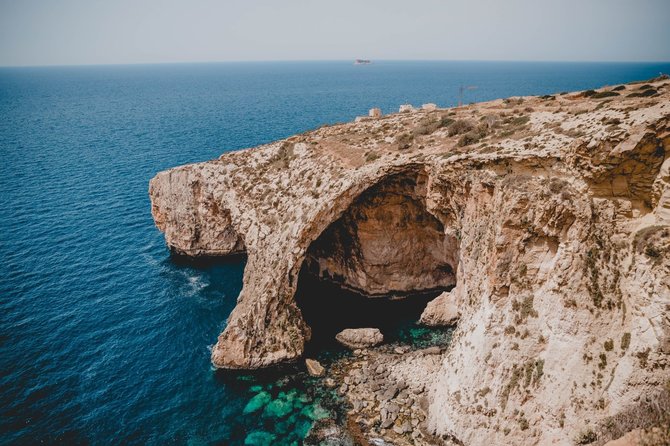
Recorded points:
(547,217)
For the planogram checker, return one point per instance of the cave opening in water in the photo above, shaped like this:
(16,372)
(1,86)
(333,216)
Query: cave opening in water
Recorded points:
(378,265)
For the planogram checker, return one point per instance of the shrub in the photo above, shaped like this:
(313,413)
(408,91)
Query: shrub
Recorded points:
(404,140)
(643,356)
(371,156)
(603,361)
(643,93)
(619,88)
(609,345)
(588,93)
(426,126)
(586,437)
(520,120)
(625,341)
(605,94)
(446,121)
(652,252)
(469,138)
(459,127)
(523,423)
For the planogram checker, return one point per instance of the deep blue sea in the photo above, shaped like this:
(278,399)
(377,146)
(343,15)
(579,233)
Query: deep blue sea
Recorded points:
(104,339)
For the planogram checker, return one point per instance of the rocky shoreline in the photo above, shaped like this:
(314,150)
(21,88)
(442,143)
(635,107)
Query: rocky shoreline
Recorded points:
(548,217)
(383,407)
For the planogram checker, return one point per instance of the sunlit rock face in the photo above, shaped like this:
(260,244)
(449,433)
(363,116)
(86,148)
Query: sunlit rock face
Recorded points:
(548,216)
(387,243)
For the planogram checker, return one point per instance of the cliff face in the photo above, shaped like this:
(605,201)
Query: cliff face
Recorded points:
(550,215)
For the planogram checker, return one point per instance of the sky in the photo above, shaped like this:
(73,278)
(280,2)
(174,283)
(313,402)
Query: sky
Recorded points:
(74,32)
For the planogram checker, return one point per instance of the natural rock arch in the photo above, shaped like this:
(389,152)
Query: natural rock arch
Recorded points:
(384,246)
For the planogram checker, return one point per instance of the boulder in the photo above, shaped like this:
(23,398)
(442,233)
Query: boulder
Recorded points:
(375,113)
(406,108)
(429,107)
(355,338)
(441,311)
(314,367)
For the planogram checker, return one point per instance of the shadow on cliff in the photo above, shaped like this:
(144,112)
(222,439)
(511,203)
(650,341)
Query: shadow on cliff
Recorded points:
(328,309)
(207,261)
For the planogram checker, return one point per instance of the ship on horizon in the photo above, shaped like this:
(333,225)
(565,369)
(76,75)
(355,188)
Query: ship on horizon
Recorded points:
(362,62)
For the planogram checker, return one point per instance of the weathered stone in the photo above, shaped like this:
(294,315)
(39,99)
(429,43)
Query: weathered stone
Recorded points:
(389,393)
(401,350)
(441,311)
(314,367)
(375,113)
(402,428)
(555,224)
(355,338)
(327,432)
(432,350)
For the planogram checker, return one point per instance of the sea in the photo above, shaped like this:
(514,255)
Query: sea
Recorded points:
(104,337)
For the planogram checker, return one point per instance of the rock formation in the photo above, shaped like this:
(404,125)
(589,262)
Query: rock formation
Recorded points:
(550,217)
(360,337)
(314,367)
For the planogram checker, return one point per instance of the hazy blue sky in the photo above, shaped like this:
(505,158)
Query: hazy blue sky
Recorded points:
(45,32)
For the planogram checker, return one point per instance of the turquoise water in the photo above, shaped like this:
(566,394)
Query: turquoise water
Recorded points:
(103,337)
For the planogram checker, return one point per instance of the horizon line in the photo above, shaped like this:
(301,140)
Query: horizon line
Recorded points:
(241,61)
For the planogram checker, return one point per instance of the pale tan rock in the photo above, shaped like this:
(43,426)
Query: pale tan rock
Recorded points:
(429,107)
(553,230)
(355,338)
(441,311)
(314,367)
(406,108)
(632,438)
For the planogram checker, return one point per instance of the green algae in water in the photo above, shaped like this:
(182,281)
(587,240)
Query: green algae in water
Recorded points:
(257,402)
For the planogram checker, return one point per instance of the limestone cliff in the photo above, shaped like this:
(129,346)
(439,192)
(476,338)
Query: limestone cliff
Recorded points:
(550,216)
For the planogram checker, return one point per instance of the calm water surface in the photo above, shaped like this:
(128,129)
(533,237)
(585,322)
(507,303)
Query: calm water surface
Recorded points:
(105,339)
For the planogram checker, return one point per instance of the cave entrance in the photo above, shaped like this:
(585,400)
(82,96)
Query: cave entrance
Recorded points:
(379,264)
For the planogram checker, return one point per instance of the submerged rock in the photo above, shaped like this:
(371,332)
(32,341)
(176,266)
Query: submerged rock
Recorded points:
(355,338)
(259,438)
(257,402)
(278,408)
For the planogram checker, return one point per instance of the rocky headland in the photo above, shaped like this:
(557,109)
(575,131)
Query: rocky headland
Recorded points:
(544,221)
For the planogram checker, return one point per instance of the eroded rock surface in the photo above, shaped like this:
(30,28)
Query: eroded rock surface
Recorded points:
(360,337)
(550,215)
